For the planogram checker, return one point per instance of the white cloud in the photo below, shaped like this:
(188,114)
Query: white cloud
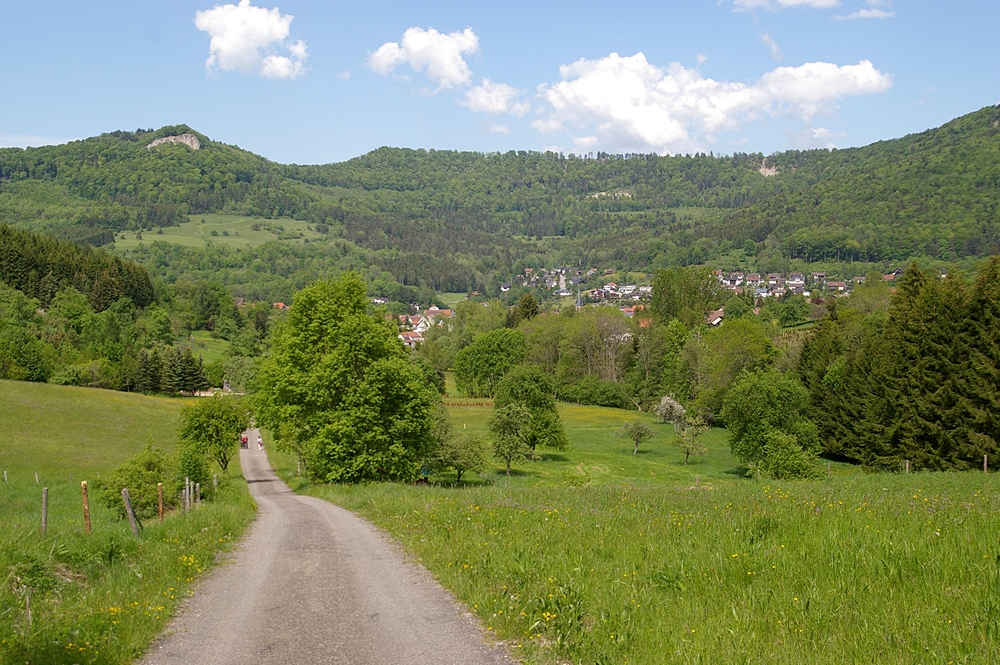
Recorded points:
(497,128)
(630,104)
(871,12)
(495,98)
(439,56)
(769,42)
(246,38)
(814,137)
(774,5)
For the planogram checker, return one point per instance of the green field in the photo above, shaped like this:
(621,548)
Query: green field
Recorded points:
(232,230)
(209,348)
(98,598)
(594,555)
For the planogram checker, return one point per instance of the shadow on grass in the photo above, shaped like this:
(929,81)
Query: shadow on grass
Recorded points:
(738,471)
(550,457)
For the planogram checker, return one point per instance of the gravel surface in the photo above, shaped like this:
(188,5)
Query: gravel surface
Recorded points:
(313,583)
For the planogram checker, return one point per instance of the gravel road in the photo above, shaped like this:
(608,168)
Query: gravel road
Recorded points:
(313,583)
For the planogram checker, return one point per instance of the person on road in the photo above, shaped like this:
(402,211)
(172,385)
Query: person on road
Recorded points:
(260,443)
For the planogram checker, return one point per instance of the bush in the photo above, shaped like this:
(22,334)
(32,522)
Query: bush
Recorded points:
(140,475)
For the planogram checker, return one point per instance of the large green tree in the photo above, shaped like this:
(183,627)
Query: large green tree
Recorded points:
(340,389)
(480,366)
(212,426)
(767,431)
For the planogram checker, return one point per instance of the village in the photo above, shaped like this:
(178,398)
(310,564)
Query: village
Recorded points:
(564,282)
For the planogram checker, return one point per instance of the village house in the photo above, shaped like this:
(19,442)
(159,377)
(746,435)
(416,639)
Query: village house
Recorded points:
(411,338)
(836,286)
(715,318)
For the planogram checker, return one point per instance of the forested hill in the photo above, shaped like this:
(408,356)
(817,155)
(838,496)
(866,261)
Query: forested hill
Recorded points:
(932,195)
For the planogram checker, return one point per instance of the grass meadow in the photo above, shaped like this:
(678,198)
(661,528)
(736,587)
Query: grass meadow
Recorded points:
(594,555)
(233,230)
(98,598)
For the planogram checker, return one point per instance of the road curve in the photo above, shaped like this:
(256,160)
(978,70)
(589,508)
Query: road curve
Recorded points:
(313,583)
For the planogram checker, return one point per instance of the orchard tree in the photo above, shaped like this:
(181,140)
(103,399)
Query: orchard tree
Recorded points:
(533,389)
(464,451)
(637,432)
(507,426)
(212,426)
(340,389)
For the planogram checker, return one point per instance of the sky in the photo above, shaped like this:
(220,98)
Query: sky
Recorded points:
(313,82)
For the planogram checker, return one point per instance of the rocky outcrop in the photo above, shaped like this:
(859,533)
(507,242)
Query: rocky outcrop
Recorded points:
(767,171)
(190,140)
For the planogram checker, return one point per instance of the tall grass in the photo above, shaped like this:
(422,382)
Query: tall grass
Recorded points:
(103,597)
(653,569)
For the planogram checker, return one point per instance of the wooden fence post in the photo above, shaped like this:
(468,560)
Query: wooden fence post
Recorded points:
(829,470)
(184,501)
(907,466)
(215,482)
(36,477)
(159,501)
(45,510)
(197,495)
(131,513)
(5,475)
(986,464)
(86,506)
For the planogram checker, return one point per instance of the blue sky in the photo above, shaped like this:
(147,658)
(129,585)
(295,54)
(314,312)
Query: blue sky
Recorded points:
(316,82)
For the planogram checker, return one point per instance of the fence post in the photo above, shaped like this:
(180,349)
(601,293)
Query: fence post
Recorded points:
(907,466)
(986,464)
(86,506)
(5,475)
(215,482)
(184,501)
(829,470)
(197,494)
(131,513)
(45,510)
(159,501)
(36,477)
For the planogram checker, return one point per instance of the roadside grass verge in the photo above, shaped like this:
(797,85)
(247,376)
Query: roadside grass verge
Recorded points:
(103,597)
(630,567)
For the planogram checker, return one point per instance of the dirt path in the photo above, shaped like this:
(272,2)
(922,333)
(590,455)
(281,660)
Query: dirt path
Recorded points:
(313,583)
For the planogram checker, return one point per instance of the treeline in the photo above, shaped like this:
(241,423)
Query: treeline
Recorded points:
(40,266)
(919,381)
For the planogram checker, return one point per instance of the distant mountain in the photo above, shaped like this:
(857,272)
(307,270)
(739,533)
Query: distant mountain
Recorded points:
(473,215)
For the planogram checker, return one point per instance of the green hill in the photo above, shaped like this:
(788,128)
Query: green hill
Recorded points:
(457,221)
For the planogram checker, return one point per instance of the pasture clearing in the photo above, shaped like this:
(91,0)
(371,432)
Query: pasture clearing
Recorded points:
(234,230)
(102,597)
(643,565)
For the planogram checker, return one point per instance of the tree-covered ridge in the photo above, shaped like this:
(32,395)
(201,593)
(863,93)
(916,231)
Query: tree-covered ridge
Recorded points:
(40,266)
(457,220)
(116,181)
(932,194)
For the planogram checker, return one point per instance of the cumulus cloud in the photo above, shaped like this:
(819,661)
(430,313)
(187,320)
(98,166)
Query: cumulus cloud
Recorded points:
(497,128)
(438,55)
(495,98)
(251,40)
(628,103)
(870,12)
(774,5)
(813,137)
(772,45)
